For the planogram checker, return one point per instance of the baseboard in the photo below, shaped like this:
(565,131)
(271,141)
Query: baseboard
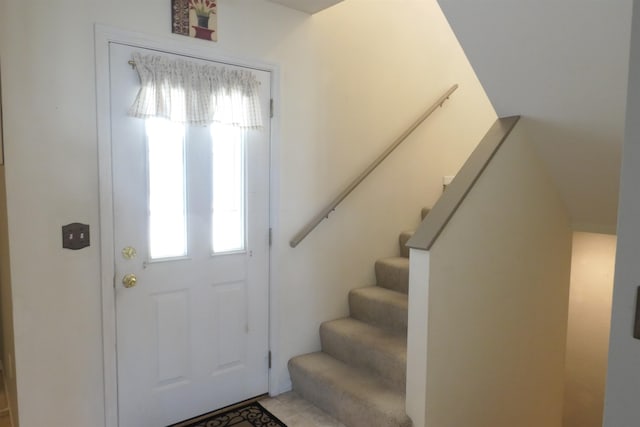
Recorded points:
(282,388)
(593,228)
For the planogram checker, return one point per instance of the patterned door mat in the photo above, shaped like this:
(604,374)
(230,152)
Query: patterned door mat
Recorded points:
(249,415)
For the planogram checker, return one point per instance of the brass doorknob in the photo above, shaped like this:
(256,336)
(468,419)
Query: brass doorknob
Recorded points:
(129,281)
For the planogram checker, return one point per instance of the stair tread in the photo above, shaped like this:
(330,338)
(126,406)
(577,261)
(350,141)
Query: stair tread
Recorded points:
(398,261)
(354,396)
(387,296)
(407,233)
(372,336)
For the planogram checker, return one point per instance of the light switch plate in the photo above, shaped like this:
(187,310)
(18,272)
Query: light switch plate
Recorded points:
(75,236)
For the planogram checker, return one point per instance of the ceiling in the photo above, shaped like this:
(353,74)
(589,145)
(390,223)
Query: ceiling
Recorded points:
(307,6)
(563,66)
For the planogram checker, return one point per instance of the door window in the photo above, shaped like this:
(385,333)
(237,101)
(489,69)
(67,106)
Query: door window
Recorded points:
(167,213)
(168,172)
(228,218)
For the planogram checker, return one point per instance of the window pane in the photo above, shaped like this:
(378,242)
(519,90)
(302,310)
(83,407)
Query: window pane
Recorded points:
(228,218)
(167,200)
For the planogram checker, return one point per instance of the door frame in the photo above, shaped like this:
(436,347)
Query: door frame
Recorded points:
(104,35)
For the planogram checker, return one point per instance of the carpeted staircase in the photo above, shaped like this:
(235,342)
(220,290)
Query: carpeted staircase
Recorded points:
(359,376)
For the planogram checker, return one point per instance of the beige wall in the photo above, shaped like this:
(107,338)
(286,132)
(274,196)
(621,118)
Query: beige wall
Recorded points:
(592,269)
(352,78)
(498,292)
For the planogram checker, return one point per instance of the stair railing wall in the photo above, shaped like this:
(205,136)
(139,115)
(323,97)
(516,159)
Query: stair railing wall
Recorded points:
(488,292)
(420,245)
(324,213)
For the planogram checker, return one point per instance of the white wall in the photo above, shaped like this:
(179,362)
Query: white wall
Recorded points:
(592,268)
(563,66)
(623,375)
(498,293)
(352,78)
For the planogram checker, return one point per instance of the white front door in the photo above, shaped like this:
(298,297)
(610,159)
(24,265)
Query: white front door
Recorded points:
(191,240)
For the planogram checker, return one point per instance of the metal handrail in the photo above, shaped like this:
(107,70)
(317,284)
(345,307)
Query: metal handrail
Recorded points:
(311,225)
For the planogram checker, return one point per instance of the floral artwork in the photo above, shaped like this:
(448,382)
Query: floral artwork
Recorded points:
(195,18)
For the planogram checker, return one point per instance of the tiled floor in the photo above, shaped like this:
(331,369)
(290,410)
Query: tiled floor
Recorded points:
(294,411)
(290,408)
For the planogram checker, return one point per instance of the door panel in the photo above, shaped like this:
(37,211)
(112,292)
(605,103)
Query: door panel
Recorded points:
(192,334)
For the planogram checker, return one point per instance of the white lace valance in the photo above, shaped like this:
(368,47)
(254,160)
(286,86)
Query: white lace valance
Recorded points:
(194,93)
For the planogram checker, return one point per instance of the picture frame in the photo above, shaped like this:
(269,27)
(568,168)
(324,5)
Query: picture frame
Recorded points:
(195,18)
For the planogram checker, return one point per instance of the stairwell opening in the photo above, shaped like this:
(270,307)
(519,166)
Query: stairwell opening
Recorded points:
(588,324)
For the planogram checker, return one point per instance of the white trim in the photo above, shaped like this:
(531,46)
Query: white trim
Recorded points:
(107,272)
(417,336)
(103,36)
(275,387)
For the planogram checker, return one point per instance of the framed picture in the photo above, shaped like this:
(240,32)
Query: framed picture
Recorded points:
(195,18)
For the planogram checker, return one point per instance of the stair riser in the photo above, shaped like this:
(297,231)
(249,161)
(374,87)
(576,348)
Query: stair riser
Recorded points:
(424,212)
(387,365)
(402,240)
(378,313)
(392,276)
